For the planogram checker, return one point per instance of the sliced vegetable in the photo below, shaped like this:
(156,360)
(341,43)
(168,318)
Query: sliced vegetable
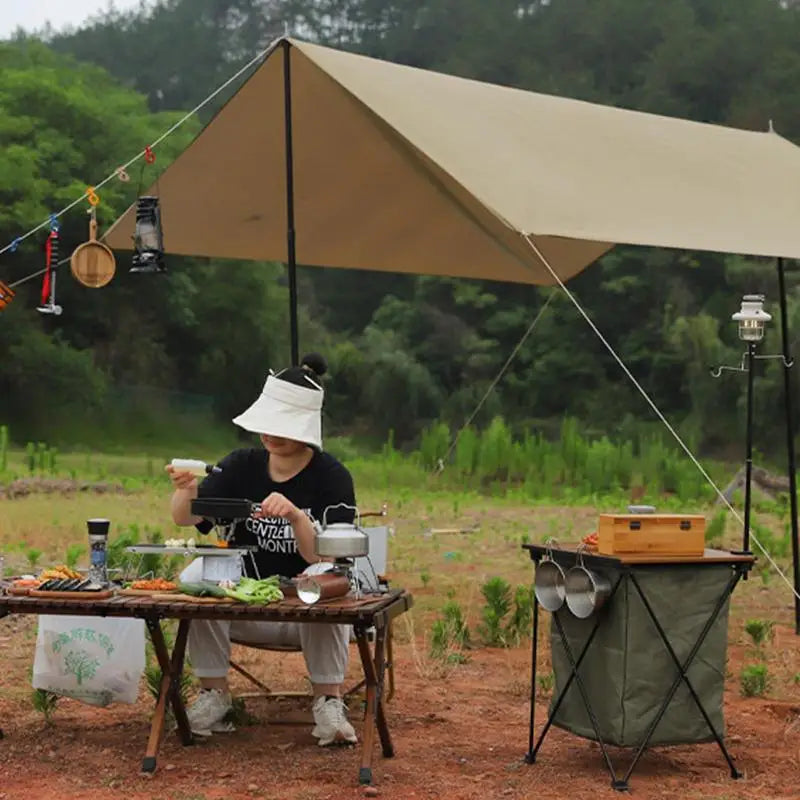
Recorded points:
(251,590)
(202,589)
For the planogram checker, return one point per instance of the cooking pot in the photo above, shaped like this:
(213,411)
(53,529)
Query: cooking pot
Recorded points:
(340,539)
(586,591)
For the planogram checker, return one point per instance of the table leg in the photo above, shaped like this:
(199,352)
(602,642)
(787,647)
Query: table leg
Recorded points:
(530,756)
(682,676)
(586,702)
(169,688)
(380,703)
(368,734)
(176,669)
(157,724)
(375,715)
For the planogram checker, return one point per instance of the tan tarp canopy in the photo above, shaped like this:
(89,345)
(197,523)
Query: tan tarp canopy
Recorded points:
(404,170)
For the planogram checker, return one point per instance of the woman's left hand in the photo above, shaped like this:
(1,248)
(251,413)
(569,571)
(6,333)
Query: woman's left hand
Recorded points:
(276,505)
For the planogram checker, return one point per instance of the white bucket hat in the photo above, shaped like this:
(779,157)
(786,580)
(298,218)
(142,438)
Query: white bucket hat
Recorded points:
(288,410)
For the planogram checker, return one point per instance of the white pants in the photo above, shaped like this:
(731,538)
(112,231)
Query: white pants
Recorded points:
(325,647)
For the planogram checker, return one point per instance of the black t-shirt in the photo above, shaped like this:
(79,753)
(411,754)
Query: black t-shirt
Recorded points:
(323,482)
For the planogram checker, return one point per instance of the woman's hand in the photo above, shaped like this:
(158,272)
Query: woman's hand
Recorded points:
(181,479)
(276,505)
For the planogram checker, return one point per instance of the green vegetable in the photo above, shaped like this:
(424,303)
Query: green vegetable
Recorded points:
(250,590)
(202,589)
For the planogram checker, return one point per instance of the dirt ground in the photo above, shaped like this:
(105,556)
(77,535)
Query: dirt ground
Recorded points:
(460,735)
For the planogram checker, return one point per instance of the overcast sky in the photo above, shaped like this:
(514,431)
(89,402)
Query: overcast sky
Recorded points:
(33,14)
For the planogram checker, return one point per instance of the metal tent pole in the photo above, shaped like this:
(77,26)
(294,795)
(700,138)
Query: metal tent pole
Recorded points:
(787,394)
(290,232)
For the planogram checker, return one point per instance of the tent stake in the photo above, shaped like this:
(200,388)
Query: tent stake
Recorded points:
(290,233)
(787,394)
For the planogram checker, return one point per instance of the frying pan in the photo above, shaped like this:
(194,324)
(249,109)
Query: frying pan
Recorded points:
(223,507)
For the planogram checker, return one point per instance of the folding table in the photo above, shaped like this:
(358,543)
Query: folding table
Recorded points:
(648,658)
(367,614)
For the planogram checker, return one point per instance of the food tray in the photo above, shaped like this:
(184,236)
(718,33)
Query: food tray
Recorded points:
(103,594)
(197,550)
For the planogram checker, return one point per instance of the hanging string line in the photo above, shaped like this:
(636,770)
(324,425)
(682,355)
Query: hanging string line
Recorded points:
(500,374)
(263,54)
(652,405)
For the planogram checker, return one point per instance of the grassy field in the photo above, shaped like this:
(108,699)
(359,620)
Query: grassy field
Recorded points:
(446,544)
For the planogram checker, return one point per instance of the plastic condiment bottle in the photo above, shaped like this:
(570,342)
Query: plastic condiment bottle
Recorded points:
(194,466)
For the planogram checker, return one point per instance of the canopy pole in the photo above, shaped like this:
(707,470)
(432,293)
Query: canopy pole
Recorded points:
(787,395)
(290,232)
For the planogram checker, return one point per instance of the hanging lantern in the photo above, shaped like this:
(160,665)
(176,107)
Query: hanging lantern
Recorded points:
(6,295)
(148,239)
(752,318)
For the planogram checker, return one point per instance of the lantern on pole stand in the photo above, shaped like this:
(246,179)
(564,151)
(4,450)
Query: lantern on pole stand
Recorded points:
(752,320)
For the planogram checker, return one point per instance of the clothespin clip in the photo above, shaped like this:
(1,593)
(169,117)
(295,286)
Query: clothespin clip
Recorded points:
(15,244)
(6,295)
(122,174)
(49,305)
(92,196)
(149,155)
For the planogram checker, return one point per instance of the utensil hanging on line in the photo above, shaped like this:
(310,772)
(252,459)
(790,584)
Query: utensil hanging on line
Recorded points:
(48,298)
(92,263)
(6,295)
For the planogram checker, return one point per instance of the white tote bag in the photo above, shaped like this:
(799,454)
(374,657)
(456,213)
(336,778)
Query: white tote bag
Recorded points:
(96,660)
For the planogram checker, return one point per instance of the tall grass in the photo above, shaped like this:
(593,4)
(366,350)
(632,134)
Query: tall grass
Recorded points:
(570,466)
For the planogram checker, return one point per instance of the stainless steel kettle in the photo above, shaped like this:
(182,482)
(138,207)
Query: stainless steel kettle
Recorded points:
(340,539)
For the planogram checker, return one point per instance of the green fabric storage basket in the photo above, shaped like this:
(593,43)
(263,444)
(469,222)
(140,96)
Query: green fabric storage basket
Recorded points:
(628,671)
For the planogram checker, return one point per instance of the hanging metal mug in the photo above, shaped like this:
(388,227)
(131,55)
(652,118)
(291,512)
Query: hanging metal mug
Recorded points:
(586,590)
(549,581)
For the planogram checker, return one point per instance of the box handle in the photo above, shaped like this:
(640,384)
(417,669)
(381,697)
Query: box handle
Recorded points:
(686,524)
(635,524)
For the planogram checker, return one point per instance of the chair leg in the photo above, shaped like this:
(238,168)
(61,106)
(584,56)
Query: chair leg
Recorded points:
(252,678)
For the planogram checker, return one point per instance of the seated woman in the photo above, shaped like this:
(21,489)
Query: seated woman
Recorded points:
(295,481)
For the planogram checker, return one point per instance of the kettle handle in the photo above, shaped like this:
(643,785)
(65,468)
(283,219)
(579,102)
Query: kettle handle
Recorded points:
(340,505)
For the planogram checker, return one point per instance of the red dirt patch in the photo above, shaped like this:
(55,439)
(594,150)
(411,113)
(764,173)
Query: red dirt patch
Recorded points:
(461,738)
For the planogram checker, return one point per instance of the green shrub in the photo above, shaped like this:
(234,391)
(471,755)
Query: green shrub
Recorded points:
(74,552)
(45,703)
(755,680)
(715,530)
(759,630)
(497,593)
(450,634)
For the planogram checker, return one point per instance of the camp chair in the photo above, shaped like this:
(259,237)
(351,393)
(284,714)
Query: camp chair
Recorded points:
(378,556)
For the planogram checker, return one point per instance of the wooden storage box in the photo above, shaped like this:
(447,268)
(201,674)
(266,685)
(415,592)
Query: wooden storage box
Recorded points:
(654,534)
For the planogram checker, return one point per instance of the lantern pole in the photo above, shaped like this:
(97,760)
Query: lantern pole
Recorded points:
(787,395)
(290,232)
(748,461)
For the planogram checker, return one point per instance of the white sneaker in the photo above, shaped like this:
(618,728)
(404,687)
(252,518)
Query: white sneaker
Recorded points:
(207,713)
(331,725)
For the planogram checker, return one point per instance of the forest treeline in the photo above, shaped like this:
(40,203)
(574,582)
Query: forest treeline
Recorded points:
(403,350)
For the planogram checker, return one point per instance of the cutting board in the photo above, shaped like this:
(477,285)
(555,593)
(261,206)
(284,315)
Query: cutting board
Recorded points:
(146,592)
(188,598)
(101,595)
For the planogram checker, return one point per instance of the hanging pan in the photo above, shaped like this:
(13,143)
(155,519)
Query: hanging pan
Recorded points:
(549,581)
(92,263)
